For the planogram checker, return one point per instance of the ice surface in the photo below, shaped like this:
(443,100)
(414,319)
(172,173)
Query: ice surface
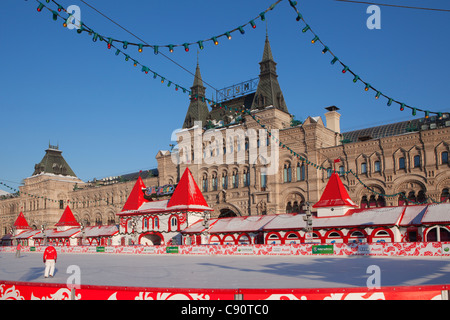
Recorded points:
(183,271)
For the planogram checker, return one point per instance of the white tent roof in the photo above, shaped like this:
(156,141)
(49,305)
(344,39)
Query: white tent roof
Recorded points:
(437,213)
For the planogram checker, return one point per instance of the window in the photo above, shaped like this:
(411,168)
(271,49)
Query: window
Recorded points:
(246,178)
(363,167)
(235,179)
(205,183)
(329,172)
(263,180)
(214,182)
(377,166)
(445,195)
(61,204)
(444,157)
(341,170)
(417,161)
(289,207)
(300,171)
(224,181)
(401,163)
(287,173)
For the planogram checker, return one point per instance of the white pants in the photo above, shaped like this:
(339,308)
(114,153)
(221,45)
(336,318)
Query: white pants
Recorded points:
(49,268)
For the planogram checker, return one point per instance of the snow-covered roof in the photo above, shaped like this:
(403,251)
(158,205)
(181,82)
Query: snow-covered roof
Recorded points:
(385,216)
(437,213)
(231,224)
(53,233)
(413,215)
(27,234)
(240,224)
(99,231)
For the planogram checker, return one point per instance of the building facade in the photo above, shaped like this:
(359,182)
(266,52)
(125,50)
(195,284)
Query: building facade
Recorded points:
(389,165)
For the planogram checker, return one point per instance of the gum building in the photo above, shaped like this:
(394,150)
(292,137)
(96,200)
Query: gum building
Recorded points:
(408,159)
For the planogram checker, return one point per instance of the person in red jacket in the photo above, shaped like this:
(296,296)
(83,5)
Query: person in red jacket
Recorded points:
(50,257)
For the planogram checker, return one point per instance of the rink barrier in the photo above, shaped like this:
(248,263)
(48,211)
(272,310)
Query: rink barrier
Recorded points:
(11,290)
(408,249)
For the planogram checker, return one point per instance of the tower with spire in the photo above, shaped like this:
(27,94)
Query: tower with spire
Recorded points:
(198,110)
(268,92)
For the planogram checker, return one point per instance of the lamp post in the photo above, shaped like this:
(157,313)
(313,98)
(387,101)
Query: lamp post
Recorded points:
(307,218)
(205,223)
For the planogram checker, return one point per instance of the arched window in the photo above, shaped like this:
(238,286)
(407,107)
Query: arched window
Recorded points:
(401,163)
(214,181)
(235,179)
(444,157)
(263,181)
(381,202)
(225,180)
(417,161)
(412,197)
(364,202)
(246,177)
(372,201)
(377,166)
(437,233)
(402,200)
(295,207)
(205,183)
(363,167)
(421,197)
(445,195)
(289,207)
(287,173)
(155,223)
(300,171)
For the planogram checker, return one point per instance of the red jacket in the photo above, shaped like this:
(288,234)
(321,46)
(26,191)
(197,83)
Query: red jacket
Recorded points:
(50,254)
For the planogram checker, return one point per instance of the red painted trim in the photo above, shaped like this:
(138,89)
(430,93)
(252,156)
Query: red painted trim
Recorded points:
(372,236)
(244,235)
(240,290)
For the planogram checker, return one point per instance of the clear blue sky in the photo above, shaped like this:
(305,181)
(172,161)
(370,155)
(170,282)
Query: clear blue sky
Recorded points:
(109,118)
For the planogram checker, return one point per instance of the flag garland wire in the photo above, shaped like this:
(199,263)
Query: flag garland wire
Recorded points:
(171,47)
(356,77)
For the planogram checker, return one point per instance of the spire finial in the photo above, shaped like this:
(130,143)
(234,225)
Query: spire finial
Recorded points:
(267,32)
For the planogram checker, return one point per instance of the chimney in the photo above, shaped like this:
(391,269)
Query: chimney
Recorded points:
(332,117)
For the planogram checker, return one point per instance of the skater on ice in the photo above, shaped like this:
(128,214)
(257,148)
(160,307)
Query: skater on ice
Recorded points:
(49,258)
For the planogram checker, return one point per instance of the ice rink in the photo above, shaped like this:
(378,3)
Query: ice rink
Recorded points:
(188,271)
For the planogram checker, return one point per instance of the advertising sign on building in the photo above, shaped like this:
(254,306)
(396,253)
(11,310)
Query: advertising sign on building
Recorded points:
(323,249)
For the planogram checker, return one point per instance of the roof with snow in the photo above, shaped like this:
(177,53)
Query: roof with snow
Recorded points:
(26,234)
(53,233)
(99,231)
(437,213)
(334,194)
(374,217)
(232,224)
(67,219)
(21,222)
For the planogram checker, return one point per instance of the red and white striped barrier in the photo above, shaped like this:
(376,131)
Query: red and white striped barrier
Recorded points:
(339,249)
(39,291)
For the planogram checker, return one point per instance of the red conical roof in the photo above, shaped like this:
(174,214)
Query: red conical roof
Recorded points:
(136,197)
(67,219)
(21,222)
(334,194)
(187,195)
